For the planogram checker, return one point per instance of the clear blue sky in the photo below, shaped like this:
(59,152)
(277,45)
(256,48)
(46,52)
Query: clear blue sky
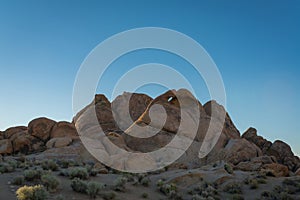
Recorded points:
(255,44)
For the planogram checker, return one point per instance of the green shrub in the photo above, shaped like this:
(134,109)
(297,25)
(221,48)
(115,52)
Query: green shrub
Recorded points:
(18,180)
(59,197)
(37,192)
(6,168)
(197,197)
(50,182)
(31,175)
(79,172)
(253,184)
(93,189)
(261,181)
(237,197)
(63,172)
(145,181)
(160,183)
(108,195)
(228,168)
(64,164)
(167,188)
(49,165)
(119,184)
(144,195)
(79,186)
(233,188)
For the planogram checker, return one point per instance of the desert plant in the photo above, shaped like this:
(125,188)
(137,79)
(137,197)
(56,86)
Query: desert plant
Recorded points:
(50,182)
(228,168)
(79,186)
(93,189)
(36,192)
(59,197)
(64,163)
(119,184)
(233,188)
(18,180)
(167,188)
(160,183)
(7,168)
(79,172)
(261,181)
(145,181)
(253,184)
(237,197)
(31,175)
(49,165)
(197,197)
(108,195)
(145,195)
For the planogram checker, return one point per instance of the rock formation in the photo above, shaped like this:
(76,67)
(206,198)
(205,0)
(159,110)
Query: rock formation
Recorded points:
(131,114)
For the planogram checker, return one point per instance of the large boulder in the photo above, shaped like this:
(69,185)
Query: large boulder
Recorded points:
(128,107)
(255,164)
(41,128)
(276,169)
(251,135)
(229,128)
(155,131)
(297,173)
(284,155)
(24,143)
(63,129)
(59,142)
(8,133)
(240,150)
(104,117)
(5,147)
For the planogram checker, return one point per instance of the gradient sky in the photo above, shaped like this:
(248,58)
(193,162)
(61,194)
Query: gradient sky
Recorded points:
(255,44)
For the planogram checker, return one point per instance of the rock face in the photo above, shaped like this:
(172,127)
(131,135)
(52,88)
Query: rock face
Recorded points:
(229,128)
(24,143)
(41,128)
(59,142)
(11,131)
(280,150)
(138,123)
(297,173)
(128,107)
(5,147)
(240,150)
(277,170)
(284,155)
(63,129)
(104,117)
(251,135)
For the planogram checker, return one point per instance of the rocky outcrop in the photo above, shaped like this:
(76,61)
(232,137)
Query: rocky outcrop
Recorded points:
(59,142)
(5,147)
(276,169)
(41,128)
(24,143)
(251,135)
(128,107)
(284,155)
(280,150)
(138,123)
(255,164)
(104,117)
(229,128)
(12,131)
(297,173)
(240,150)
(64,129)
